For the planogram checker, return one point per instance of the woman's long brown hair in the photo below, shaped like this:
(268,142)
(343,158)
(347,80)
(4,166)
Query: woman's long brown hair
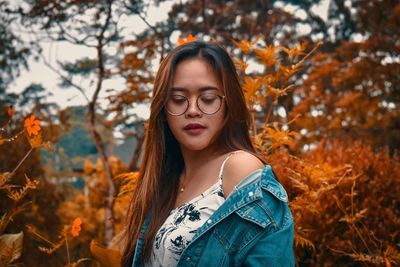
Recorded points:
(162,163)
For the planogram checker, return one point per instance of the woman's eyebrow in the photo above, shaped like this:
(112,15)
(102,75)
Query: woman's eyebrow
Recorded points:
(202,89)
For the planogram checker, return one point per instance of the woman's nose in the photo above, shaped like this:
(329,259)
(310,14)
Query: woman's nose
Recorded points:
(193,109)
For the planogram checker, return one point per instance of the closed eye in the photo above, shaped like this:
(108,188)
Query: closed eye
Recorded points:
(209,99)
(178,99)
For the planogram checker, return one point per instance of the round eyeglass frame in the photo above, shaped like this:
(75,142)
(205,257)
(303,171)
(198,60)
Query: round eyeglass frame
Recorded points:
(222,97)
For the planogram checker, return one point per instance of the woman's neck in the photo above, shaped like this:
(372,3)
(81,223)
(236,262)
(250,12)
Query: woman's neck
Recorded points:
(195,160)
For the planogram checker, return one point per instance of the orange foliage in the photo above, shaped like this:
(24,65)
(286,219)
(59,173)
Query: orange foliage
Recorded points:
(267,55)
(336,188)
(245,46)
(190,38)
(250,87)
(339,193)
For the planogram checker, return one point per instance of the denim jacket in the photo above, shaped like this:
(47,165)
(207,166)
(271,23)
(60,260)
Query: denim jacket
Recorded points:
(253,227)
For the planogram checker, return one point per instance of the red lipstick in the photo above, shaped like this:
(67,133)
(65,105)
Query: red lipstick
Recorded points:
(194,128)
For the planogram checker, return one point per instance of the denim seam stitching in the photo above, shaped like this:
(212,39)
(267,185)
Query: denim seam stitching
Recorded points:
(268,212)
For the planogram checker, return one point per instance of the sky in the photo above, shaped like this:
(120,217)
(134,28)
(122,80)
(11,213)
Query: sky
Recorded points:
(63,51)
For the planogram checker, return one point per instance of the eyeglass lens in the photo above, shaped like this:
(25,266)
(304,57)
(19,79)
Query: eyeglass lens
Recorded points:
(207,103)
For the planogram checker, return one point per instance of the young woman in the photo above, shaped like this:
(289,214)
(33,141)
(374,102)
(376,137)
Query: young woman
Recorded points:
(203,197)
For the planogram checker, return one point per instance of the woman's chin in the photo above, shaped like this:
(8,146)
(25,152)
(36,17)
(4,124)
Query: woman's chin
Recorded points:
(195,146)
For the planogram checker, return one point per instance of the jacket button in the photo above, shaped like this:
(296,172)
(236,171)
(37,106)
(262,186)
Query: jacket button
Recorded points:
(209,221)
(187,258)
(251,194)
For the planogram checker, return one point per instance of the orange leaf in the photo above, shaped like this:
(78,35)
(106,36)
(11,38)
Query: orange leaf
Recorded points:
(240,64)
(267,55)
(35,140)
(188,39)
(245,45)
(250,87)
(181,41)
(296,51)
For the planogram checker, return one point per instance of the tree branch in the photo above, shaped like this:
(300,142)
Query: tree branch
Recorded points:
(68,80)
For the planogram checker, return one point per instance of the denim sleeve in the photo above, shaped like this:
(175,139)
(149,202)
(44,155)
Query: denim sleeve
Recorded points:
(273,249)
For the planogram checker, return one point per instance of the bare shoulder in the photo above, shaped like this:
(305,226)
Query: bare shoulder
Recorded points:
(238,166)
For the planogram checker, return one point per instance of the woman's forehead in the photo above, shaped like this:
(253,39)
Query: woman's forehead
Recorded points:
(195,75)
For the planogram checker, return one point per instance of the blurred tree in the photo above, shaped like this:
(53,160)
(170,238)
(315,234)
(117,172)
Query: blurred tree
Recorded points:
(14,53)
(94,26)
(351,90)
(65,20)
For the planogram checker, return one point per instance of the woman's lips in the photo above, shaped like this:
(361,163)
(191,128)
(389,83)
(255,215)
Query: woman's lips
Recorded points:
(194,129)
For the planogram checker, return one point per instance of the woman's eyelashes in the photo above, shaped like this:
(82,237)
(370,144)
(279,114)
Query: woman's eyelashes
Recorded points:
(178,99)
(208,99)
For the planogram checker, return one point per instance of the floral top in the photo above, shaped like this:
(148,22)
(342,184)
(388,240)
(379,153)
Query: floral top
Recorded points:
(182,223)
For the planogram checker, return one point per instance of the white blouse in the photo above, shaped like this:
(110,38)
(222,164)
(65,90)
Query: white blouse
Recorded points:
(183,222)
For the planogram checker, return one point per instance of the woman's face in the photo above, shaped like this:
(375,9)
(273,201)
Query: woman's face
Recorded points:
(195,86)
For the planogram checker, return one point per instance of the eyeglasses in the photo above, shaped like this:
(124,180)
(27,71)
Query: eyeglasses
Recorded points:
(208,103)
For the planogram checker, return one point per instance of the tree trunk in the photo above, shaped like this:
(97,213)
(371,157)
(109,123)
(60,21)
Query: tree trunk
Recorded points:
(133,164)
(109,209)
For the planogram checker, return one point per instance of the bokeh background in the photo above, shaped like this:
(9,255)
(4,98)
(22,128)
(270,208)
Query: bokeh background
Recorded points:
(321,79)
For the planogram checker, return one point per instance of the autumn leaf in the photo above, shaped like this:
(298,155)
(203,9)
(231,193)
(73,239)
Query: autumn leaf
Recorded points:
(277,92)
(277,137)
(266,55)
(303,242)
(88,167)
(19,194)
(35,141)
(76,227)
(4,178)
(240,64)
(190,38)
(250,87)
(32,125)
(296,51)
(245,45)
(10,247)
